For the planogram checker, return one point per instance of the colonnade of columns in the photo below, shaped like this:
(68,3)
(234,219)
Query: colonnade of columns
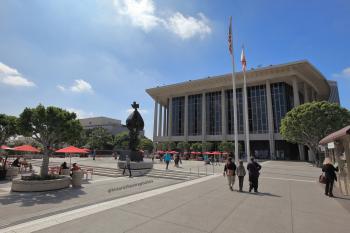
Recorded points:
(163,116)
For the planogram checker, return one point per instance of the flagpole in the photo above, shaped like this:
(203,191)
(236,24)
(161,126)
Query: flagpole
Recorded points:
(246,117)
(234,97)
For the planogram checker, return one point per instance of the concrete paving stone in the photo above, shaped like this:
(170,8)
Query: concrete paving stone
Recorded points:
(122,221)
(320,222)
(166,227)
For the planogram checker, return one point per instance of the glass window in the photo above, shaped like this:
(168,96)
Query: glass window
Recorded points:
(195,115)
(178,116)
(213,113)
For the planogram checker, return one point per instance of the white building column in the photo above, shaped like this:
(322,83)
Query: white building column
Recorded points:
(270,120)
(313,95)
(297,103)
(186,119)
(170,117)
(306,93)
(296,92)
(155,122)
(160,120)
(204,112)
(164,121)
(223,115)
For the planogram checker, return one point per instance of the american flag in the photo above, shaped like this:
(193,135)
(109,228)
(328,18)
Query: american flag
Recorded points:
(230,48)
(243,60)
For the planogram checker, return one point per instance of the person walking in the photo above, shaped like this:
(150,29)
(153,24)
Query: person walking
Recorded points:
(229,172)
(94,154)
(254,172)
(330,175)
(167,158)
(240,173)
(127,165)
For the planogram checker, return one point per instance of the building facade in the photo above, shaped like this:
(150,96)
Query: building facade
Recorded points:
(113,126)
(202,110)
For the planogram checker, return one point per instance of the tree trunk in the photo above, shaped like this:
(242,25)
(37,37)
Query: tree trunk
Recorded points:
(45,164)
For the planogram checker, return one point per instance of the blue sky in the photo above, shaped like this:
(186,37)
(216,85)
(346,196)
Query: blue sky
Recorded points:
(97,56)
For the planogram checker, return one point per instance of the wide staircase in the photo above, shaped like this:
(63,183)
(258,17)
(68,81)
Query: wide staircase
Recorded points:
(115,172)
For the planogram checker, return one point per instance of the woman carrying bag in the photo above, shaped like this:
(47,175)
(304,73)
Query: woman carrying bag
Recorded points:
(330,175)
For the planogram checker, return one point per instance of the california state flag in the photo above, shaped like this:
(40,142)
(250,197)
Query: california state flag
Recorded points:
(243,60)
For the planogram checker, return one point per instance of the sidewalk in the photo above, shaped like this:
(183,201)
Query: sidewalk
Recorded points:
(291,201)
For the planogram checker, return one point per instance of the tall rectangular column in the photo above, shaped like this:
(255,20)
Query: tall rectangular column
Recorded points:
(170,124)
(270,120)
(306,93)
(186,119)
(297,103)
(204,117)
(223,115)
(160,120)
(155,122)
(164,121)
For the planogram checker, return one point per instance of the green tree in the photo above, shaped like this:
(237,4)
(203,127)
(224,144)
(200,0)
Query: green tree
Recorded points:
(196,147)
(226,147)
(49,126)
(308,123)
(183,146)
(122,140)
(146,144)
(171,145)
(207,146)
(100,139)
(8,127)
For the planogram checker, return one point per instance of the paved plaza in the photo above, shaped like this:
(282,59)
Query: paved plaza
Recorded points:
(290,200)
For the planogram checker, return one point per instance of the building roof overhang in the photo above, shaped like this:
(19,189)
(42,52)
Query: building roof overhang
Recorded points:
(302,70)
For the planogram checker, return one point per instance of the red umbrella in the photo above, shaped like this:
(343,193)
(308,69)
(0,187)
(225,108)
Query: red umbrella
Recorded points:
(26,148)
(196,153)
(216,153)
(173,152)
(4,147)
(160,152)
(72,150)
(208,153)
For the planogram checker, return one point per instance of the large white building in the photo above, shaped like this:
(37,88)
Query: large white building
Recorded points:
(113,126)
(202,110)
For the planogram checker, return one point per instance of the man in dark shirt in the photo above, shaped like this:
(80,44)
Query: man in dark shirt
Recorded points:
(253,169)
(229,171)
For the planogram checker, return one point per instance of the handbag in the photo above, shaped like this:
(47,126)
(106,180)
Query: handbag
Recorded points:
(322,179)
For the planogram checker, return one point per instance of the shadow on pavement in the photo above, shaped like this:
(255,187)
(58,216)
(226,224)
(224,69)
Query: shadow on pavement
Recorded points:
(38,198)
(261,194)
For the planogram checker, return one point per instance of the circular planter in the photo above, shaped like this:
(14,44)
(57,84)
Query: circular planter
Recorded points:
(19,185)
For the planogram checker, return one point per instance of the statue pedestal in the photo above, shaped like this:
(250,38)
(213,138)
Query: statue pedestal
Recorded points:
(137,166)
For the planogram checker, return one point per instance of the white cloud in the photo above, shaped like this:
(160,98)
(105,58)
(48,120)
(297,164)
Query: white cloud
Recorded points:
(190,26)
(12,77)
(142,13)
(81,113)
(345,73)
(79,86)
(61,88)
(142,111)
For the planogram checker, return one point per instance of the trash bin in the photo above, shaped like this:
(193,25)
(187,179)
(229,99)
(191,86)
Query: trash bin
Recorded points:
(77,178)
